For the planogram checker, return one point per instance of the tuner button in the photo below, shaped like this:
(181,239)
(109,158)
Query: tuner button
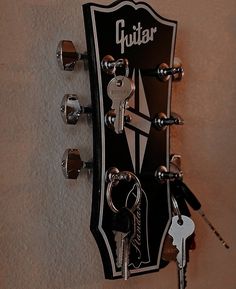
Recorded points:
(67,56)
(72,164)
(71,109)
(178,75)
(178,119)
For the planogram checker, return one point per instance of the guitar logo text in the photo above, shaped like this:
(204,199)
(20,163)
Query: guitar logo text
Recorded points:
(137,37)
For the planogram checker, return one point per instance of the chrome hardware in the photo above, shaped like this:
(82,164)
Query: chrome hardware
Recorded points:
(71,109)
(113,177)
(109,175)
(161,121)
(109,65)
(162,175)
(175,173)
(72,164)
(179,70)
(67,56)
(111,116)
(164,72)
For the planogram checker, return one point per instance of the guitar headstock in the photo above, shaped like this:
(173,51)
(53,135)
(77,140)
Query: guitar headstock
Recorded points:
(129,42)
(140,216)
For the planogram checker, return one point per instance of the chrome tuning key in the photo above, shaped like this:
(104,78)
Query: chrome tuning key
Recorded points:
(162,175)
(174,174)
(72,164)
(67,56)
(164,72)
(71,109)
(161,121)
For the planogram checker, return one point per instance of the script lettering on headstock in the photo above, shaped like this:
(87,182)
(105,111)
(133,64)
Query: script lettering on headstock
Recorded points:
(138,36)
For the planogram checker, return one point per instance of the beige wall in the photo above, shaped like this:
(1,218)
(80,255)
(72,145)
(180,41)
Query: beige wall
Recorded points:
(45,240)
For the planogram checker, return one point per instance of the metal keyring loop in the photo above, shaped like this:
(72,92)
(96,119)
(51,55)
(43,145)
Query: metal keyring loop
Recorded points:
(114,180)
(177,210)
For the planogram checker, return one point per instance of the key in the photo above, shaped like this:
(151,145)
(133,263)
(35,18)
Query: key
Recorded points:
(121,225)
(180,231)
(124,228)
(182,279)
(120,89)
(192,200)
(126,246)
(119,239)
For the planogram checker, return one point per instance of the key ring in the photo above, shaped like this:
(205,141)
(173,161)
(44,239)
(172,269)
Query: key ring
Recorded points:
(177,210)
(113,177)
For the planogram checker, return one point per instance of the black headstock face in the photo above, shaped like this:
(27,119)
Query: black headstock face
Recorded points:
(133,31)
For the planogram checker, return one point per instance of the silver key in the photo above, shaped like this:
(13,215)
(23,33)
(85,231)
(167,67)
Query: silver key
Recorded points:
(180,232)
(125,257)
(126,246)
(123,242)
(119,239)
(120,89)
(122,252)
(182,279)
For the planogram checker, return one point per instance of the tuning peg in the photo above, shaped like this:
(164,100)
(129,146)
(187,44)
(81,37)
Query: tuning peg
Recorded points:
(162,175)
(179,73)
(161,121)
(71,109)
(72,164)
(67,56)
(164,72)
(174,174)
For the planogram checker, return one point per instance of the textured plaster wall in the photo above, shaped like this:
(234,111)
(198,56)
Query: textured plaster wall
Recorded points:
(45,241)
